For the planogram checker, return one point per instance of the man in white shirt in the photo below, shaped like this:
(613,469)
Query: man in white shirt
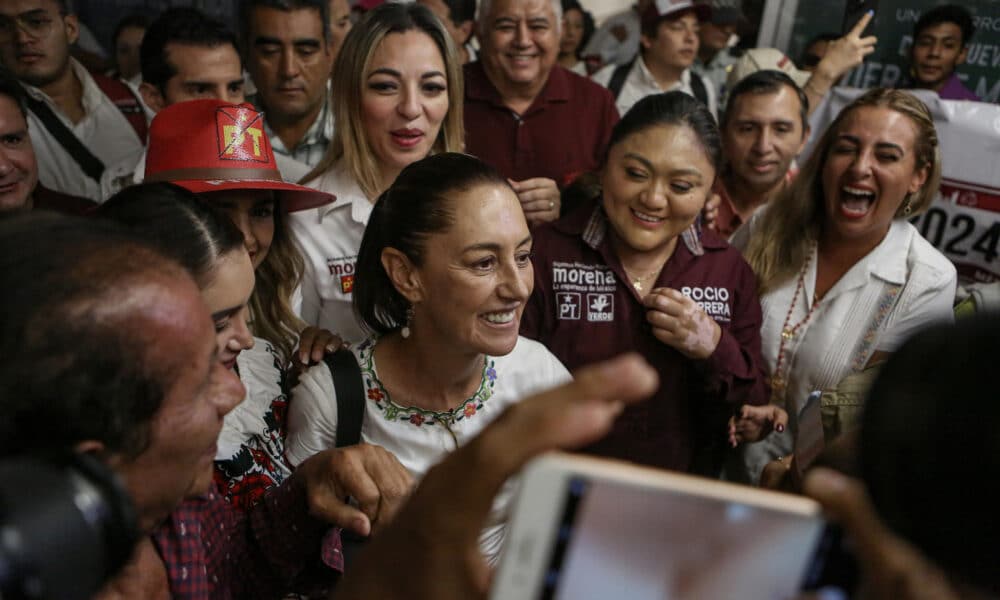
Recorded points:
(669,46)
(289,56)
(78,122)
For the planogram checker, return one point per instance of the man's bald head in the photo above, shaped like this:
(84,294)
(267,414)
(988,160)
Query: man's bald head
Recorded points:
(74,332)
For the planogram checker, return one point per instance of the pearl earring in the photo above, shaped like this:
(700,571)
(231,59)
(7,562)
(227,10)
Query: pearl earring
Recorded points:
(405,331)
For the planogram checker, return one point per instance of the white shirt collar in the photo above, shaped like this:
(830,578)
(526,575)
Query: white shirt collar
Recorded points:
(338,182)
(92,95)
(886,262)
(647,77)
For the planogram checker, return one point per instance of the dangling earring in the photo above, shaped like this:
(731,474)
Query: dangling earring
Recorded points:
(405,331)
(908,207)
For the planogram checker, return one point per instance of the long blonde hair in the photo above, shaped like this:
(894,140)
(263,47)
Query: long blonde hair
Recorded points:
(350,145)
(271,314)
(781,241)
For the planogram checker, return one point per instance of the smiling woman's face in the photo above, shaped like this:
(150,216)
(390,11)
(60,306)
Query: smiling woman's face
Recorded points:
(477,275)
(253,213)
(404,100)
(226,296)
(655,184)
(870,168)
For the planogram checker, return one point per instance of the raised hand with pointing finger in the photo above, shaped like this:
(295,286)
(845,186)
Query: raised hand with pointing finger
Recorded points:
(842,55)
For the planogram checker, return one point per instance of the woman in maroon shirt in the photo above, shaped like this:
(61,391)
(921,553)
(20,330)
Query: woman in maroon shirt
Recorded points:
(633,270)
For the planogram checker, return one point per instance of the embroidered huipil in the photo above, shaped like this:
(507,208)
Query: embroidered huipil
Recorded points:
(421,438)
(212,550)
(251,448)
(584,310)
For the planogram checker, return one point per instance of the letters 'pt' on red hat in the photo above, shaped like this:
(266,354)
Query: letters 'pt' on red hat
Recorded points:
(214,146)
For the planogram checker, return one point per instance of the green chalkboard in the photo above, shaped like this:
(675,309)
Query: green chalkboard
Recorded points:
(894,27)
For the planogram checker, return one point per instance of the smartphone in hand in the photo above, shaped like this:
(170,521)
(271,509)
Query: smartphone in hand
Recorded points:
(585,528)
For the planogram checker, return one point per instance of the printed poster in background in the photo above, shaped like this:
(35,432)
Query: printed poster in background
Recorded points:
(964,220)
(893,25)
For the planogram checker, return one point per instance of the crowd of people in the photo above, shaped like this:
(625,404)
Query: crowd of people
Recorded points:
(317,288)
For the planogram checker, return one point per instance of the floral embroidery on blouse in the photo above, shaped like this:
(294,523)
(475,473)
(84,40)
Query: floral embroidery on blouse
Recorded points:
(418,416)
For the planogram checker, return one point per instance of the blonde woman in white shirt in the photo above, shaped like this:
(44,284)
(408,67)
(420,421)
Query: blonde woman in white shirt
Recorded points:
(844,277)
(398,97)
(444,275)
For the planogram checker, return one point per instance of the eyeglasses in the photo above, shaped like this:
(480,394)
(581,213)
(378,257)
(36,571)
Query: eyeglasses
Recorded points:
(37,24)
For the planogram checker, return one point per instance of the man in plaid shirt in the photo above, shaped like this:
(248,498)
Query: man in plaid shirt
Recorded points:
(109,349)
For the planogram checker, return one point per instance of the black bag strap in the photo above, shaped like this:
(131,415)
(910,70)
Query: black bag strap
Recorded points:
(90,164)
(348,384)
(618,77)
(698,88)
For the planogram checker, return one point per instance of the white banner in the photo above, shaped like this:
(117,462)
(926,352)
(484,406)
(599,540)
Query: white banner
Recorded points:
(964,221)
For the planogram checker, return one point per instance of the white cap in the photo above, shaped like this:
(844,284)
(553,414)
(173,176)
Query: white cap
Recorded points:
(664,8)
(765,59)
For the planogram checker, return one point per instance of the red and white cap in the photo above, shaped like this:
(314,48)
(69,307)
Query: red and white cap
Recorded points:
(213,146)
(661,9)
(765,59)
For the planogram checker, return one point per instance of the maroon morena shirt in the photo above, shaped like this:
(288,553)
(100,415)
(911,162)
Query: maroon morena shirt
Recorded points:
(561,135)
(585,310)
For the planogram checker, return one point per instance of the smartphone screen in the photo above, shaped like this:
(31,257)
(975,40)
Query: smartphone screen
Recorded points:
(617,540)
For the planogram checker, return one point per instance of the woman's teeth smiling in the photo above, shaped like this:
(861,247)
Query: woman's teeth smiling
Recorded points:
(856,201)
(646,218)
(500,318)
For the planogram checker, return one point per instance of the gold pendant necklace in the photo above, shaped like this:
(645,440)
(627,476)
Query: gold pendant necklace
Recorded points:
(637,282)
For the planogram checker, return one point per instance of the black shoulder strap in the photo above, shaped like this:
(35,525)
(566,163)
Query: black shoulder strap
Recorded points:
(698,87)
(90,164)
(350,396)
(618,77)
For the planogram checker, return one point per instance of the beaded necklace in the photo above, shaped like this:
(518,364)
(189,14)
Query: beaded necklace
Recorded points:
(790,330)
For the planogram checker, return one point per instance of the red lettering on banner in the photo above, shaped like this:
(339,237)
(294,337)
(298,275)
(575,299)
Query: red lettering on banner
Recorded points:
(967,194)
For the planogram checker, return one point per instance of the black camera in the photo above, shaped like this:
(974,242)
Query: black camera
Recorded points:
(66,526)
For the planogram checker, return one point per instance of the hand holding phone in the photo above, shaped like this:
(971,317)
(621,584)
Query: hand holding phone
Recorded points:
(437,531)
(586,528)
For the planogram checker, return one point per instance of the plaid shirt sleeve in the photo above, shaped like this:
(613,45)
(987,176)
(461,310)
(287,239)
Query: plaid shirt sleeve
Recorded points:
(212,550)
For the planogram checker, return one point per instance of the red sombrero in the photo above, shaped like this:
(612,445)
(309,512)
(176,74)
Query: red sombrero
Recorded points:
(214,146)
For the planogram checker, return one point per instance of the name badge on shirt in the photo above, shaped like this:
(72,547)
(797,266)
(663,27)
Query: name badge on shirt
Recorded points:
(713,300)
(342,269)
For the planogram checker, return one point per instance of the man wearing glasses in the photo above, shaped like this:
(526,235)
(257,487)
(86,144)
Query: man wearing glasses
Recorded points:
(78,122)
